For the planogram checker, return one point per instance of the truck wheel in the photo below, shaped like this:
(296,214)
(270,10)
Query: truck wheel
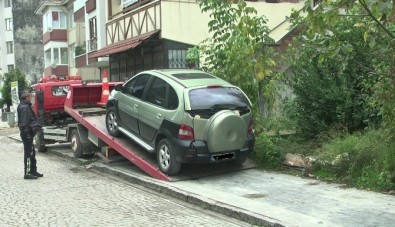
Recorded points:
(112,122)
(165,157)
(39,142)
(76,145)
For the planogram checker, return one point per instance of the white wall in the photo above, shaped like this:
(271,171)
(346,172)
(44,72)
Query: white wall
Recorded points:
(277,14)
(184,22)
(101,20)
(78,4)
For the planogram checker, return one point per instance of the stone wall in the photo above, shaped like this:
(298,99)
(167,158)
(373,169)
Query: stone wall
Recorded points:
(29,54)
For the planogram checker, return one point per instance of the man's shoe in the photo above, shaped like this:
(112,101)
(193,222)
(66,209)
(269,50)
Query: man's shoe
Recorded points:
(37,174)
(30,177)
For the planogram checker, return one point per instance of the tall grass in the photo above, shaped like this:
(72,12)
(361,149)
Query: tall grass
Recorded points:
(364,160)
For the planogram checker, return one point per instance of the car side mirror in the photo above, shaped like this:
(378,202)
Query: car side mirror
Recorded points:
(118,87)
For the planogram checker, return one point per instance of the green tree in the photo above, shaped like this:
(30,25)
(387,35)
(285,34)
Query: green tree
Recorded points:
(375,22)
(13,75)
(239,49)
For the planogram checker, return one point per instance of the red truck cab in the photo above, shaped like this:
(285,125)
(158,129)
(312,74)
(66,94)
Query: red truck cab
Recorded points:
(49,96)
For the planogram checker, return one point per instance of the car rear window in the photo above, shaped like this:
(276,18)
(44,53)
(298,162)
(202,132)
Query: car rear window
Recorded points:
(217,98)
(188,76)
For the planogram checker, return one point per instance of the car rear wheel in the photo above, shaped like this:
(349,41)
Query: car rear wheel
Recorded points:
(165,158)
(112,122)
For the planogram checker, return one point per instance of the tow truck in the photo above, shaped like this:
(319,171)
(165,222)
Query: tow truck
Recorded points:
(71,111)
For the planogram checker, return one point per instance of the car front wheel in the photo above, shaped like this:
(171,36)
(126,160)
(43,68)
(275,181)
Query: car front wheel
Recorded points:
(165,157)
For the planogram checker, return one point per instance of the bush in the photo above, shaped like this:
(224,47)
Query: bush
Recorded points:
(332,88)
(266,153)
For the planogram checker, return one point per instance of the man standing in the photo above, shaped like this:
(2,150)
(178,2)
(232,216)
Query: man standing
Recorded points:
(28,126)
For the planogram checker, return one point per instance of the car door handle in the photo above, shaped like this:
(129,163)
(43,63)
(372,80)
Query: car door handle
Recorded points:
(135,106)
(159,115)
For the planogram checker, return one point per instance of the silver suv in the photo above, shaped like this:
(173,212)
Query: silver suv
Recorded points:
(185,116)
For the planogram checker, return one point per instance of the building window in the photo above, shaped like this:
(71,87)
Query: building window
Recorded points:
(8,24)
(48,58)
(7,3)
(10,47)
(55,20)
(71,20)
(72,55)
(177,58)
(92,45)
(92,28)
(59,57)
(63,56)
(56,55)
(10,68)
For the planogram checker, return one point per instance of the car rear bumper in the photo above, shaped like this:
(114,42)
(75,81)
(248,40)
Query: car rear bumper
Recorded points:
(197,152)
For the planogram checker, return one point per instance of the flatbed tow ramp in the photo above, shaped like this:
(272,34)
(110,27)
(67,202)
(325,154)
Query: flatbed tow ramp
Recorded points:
(81,104)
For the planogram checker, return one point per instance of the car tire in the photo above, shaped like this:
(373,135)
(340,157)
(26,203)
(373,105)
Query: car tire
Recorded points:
(112,122)
(165,157)
(38,141)
(76,145)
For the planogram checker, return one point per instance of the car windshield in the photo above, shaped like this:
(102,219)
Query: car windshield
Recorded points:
(217,98)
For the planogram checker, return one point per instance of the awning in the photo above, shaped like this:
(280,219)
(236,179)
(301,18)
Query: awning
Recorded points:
(122,45)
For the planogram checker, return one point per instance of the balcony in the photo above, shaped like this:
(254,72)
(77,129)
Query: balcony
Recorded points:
(59,35)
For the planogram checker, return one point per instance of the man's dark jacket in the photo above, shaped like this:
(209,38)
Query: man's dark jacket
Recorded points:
(27,121)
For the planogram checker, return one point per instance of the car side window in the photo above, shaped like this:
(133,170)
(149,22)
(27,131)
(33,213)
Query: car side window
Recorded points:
(172,99)
(136,86)
(157,92)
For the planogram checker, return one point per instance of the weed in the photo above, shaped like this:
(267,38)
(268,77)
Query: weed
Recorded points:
(266,153)
(366,160)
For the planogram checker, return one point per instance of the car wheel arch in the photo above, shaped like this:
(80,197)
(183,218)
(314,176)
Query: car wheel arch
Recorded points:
(163,132)
(112,103)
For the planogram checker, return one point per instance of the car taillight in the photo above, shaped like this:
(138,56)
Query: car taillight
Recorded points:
(185,132)
(251,127)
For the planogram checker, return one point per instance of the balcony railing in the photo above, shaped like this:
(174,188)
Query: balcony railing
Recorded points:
(80,49)
(92,45)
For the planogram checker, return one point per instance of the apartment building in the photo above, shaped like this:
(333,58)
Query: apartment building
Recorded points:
(66,46)
(19,38)
(129,36)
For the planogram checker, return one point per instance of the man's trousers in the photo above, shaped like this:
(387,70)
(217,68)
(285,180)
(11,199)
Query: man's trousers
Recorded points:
(29,155)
